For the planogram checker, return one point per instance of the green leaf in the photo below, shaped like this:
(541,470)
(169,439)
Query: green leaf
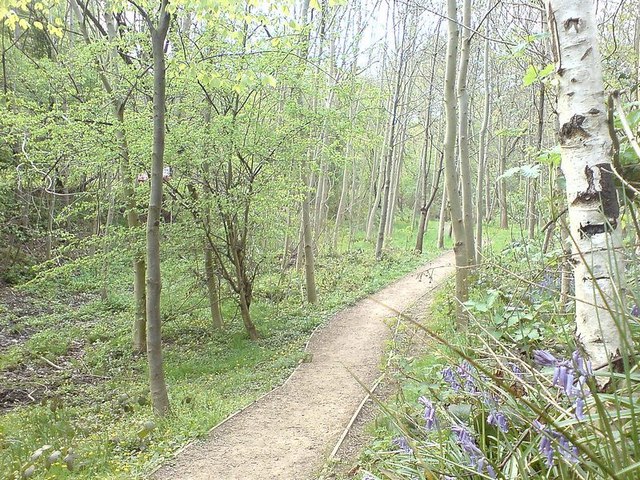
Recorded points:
(551,156)
(314,4)
(530,171)
(269,80)
(533,74)
(529,76)
(546,71)
(527,171)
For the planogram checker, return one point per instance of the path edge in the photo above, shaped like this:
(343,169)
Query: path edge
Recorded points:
(323,324)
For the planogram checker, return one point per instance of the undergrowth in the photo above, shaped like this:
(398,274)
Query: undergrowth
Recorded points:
(511,397)
(77,402)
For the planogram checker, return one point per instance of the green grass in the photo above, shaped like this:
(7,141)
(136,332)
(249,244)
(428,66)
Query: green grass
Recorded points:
(420,374)
(96,413)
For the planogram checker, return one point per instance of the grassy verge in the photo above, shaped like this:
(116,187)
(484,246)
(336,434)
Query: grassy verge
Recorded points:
(76,398)
(510,397)
(418,373)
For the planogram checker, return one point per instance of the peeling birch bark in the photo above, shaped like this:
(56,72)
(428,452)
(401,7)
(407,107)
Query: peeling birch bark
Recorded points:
(586,164)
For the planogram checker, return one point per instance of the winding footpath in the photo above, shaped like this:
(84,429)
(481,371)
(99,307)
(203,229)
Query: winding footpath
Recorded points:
(289,433)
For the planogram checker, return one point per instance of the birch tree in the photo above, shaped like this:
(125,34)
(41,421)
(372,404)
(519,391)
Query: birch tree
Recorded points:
(451,177)
(463,133)
(586,148)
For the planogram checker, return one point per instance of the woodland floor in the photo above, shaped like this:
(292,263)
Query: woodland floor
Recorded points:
(289,433)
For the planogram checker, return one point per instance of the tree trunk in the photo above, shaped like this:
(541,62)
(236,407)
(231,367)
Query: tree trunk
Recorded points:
(463,135)
(532,220)
(246,315)
(286,247)
(133,222)
(455,203)
(213,289)
(342,202)
(309,260)
(425,164)
(51,218)
(482,150)
(376,200)
(442,220)
(157,383)
(388,163)
(306,229)
(124,168)
(502,185)
(426,207)
(586,149)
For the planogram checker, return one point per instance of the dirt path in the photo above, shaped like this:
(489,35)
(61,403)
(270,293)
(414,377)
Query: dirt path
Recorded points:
(288,434)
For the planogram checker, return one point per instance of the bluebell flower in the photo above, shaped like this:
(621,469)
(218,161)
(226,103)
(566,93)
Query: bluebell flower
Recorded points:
(568,384)
(465,374)
(544,358)
(547,450)
(429,413)
(477,460)
(560,375)
(466,441)
(553,443)
(402,444)
(583,367)
(635,311)
(568,451)
(579,412)
(498,419)
(450,377)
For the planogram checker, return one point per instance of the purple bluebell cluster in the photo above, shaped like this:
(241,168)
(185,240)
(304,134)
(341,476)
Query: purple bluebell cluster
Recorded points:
(498,419)
(466,374)
(429,415)
(403,445)
(477,459)
(450,377)
(570,376)
(548,286)
(462,378)
(368,476)
(554,443)
(635,311)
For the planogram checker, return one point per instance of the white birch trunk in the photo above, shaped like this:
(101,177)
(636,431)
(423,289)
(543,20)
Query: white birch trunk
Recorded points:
(586,163)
